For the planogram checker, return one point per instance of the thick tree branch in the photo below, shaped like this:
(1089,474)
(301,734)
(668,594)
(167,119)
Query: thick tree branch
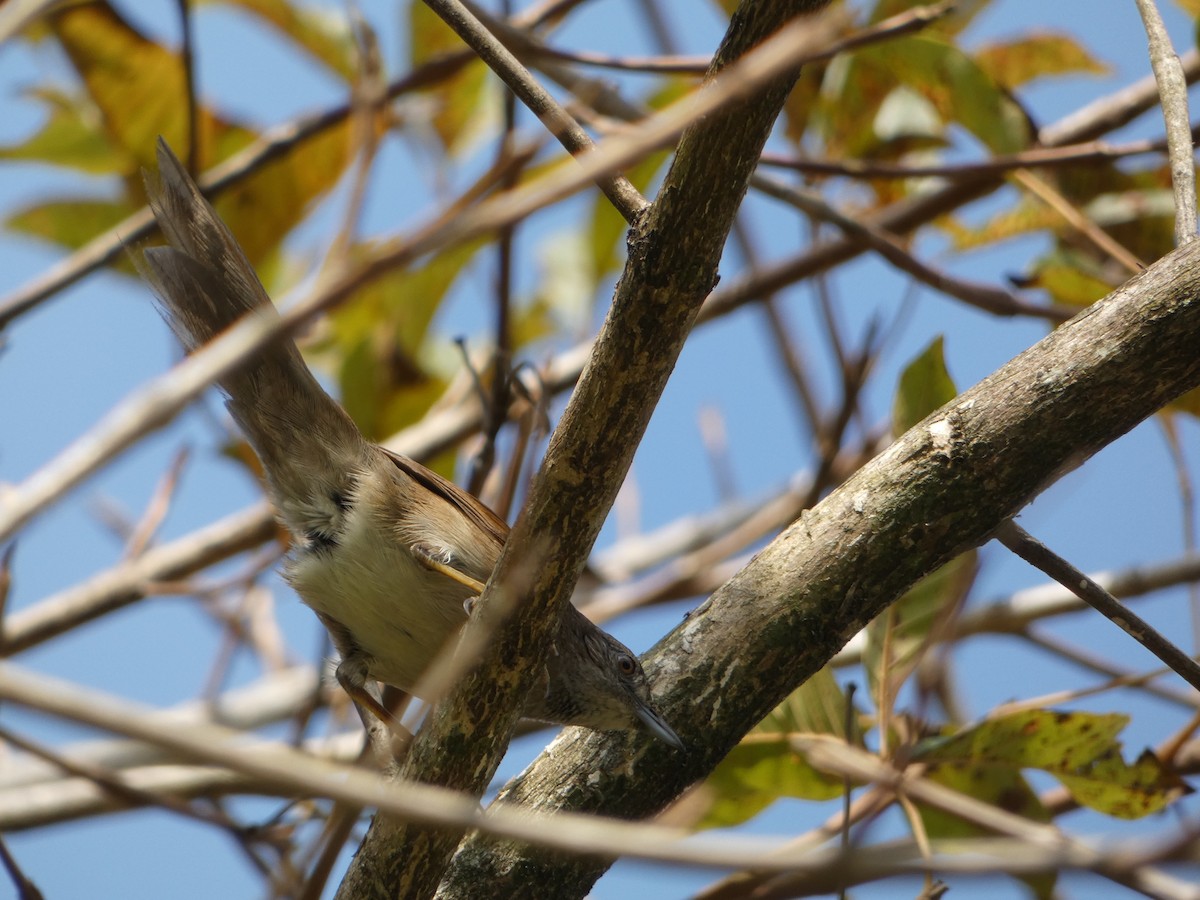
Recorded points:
(942,488)
(672,267)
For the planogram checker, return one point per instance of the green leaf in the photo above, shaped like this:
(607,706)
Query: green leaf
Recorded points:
(816,707)
(925,385)
(70,223)
(402,302)
(608,227)
(71,136)
(953,83)
(897,636)
(376,342)
(458,100)
(764,767)
(1005,789)
(137,85)
(532,321)
(1079,749)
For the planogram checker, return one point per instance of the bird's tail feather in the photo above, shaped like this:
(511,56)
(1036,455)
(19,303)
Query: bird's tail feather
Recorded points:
(205,284)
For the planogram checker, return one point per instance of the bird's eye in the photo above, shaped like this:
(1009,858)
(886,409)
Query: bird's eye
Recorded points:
(626,664)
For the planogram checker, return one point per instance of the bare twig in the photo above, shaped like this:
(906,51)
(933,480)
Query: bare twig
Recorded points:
(155,404)
(1173,89)
(187,57)
(907,22)
(156,510)
(1187,502)
(1092,152)
(1020,542)
(126,583)
(26,889)
(115,786)
(1085,124)
(286,769)
(465,18)
(1104,242)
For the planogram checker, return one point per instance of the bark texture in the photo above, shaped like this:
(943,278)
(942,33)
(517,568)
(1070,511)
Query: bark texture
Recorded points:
(674,252)
(940,489)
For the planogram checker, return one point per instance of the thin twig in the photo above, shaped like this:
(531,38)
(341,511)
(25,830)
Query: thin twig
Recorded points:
(1059,698)
(907,22)
(1088,123)
(792,361)
(191,104)
(1172,88)
(982,296)
(277,765)
(127,582)
(156,403)
(465,19)
(1054,199)
(368,98)
(158,507)
(1187,503)
(26,889)
(495,406)
(338,829)
(114,785)
(1020,542)
(1092,152)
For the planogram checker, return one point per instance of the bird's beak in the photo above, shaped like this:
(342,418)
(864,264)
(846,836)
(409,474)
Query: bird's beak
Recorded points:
(656,725)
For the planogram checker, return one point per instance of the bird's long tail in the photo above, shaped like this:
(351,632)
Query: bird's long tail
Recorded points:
(307,443)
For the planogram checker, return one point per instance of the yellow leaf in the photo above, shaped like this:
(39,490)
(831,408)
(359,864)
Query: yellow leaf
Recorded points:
(1020,61)
(458,100)
(262,208)
(137,85)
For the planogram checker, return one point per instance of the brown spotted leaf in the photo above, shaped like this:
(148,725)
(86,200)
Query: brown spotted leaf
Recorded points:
(1079,749)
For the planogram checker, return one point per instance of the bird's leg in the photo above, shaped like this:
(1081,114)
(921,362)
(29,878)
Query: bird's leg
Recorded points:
(352,676)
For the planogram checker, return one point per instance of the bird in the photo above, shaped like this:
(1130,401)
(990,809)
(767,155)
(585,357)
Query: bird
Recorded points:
(385,551)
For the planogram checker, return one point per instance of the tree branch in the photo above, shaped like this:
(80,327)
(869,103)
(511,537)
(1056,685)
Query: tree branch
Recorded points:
(942,488)
(672,267)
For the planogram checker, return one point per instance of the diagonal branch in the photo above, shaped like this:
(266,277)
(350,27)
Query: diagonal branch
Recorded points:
(1034,552)
(942,488)
(672,267)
